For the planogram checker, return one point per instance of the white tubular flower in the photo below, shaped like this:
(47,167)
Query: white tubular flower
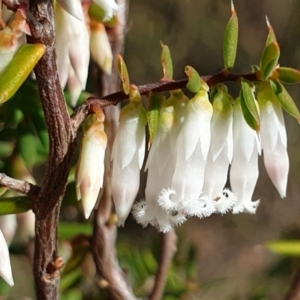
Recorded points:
(192,149)
(110,8)
(100,47)
(273,138)
(244,167)
(72,47)
(90,167)
(220,152)
(74,8)
(127,156)
(161,166)
(10,35)
(5,267)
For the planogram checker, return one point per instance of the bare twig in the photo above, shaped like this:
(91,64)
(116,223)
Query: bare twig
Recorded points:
(168,249)
(162,86)
(20,186)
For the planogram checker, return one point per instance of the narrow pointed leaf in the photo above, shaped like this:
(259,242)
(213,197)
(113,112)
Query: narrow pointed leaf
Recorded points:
(271,36)
(289,247)
(152,114)
(248,104)
(230,40)
(19,68)
(287,75)
(269,60)
(194,83)
(285,99)
(124,75)
(14,205)
(166,61)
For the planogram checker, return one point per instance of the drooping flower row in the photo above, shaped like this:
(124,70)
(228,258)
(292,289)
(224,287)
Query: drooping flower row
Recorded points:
(196,142)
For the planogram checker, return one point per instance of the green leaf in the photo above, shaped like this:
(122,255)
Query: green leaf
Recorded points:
(269,60)
(194,83)
(249,106)
(152,114)
(27,144)
(230,40)
(19,68)
(124,75)
(271,36)
(287,75)
(285,99)
(284,247)
(14,205)
(166,61)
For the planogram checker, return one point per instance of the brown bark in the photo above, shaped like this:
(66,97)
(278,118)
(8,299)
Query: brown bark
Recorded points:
(47,204)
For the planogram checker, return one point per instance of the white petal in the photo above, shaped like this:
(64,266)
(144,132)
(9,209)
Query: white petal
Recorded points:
(5,267)
(125,184)
(73,7)
(243,178)
(277,166)
(216,174)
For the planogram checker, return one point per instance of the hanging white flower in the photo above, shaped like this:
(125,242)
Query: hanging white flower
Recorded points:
(127,156)
(72,48)
(161,166)
(244,167)
(90,166)
(5,267)
(273,138)
(220,152)
(192,149)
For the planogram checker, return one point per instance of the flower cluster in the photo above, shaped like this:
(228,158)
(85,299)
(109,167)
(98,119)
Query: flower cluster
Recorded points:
(189,160)
(79,33)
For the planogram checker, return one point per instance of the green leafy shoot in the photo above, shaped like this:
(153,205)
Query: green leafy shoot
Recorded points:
(166,61)
(269,60)
(271,36)
(124,75)
(14,205)
(249,106)
(285,99)
(152,114)
(230,40)
(194,83)
(287,75)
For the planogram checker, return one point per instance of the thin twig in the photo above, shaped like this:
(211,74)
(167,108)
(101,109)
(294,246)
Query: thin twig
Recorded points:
(169,241)
(20,186)
(162,86)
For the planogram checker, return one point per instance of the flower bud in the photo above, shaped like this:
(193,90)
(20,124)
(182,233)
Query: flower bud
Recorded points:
(100,47)
(90,167)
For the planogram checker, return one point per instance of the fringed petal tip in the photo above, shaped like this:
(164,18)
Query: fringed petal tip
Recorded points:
(164,200)
(139,212)
(225,201)
(246,207)
(201,207)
